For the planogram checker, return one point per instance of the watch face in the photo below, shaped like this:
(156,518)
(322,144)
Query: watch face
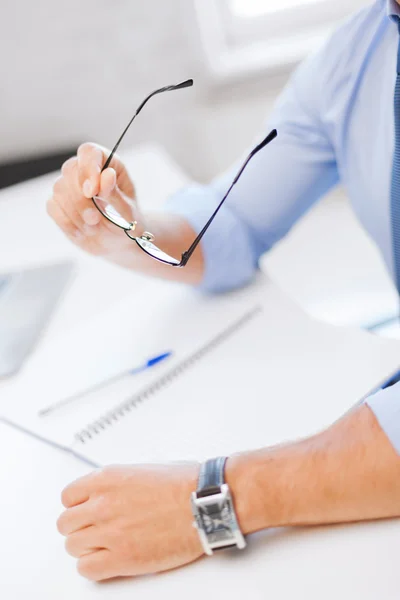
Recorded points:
(217,521)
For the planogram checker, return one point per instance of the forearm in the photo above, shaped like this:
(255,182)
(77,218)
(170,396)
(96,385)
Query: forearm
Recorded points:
(174,235)
(350,472)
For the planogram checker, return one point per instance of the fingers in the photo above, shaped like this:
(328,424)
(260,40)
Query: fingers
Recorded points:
(76,178)
(77,492)
(64,195)
(68,196)
(55,211)
(75,518)
(96,566)
(83,542)
(68,167)
(73,209)
(90,163)
(110,193)
(108,183)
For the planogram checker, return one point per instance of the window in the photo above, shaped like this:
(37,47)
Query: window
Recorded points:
(243,36)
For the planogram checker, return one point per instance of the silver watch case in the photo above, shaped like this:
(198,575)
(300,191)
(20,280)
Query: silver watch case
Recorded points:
(216,522)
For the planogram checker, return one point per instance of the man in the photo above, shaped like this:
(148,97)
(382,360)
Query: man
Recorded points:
(336,123)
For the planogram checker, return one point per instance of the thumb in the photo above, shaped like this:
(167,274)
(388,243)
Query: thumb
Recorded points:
(110,193)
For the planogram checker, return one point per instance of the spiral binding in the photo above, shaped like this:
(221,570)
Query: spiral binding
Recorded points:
(109,419)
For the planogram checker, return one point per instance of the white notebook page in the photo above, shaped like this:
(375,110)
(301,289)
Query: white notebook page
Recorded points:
(167,317)
(282,361)
(272,382)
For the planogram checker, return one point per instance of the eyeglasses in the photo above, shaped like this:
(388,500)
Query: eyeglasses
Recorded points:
(147,239)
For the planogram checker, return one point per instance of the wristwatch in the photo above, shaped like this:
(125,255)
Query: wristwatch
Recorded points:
(213,509)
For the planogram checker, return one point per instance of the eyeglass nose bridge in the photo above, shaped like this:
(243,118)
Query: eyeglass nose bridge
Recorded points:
(146,235)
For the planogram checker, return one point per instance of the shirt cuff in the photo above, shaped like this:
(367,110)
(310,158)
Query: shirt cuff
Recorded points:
(386,407)
(229,256)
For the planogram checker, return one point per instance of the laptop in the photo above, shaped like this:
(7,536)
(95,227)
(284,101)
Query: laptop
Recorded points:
(27,300)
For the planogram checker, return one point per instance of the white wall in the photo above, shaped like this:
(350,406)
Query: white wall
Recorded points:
(74,71)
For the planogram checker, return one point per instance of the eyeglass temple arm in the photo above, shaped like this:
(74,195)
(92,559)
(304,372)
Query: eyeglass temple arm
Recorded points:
(169,88)
(186,255)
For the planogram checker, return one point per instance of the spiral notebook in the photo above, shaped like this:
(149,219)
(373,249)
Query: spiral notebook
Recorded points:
(265,375)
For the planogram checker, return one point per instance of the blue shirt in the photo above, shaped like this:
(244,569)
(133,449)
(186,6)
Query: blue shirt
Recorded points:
(336,124)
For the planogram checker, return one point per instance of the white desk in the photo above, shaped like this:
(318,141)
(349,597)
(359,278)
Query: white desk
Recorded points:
(351,562)
(341,562)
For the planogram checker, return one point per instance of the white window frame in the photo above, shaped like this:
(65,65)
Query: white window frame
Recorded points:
(237,47)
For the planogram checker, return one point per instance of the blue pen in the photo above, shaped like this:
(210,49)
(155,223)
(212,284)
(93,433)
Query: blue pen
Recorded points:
(147,365)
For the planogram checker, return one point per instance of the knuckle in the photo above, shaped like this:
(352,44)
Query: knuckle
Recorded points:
(50,206)
(61,524)
(97,475)
(70,546)
(69,166)
(71,231)
(116,159)
(66,497)
(69,228)
(101,477)
(85,149)
(87,570)
(83,569)
(58,186)
(102,508)
(110,472)
(82,203)
(89,161)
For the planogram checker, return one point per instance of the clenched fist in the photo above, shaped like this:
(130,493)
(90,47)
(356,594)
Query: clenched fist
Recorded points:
(128,521)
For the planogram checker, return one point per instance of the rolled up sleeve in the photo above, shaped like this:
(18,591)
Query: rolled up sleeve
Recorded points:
(279,185)
(229,256)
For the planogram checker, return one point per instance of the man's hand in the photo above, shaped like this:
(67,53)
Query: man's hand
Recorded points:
(72,209)
(138,520)
(128,521)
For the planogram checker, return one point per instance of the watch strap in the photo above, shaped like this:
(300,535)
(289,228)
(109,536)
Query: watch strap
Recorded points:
(211,477)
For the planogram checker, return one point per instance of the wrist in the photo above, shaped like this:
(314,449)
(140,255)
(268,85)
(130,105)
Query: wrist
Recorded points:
(238,477)
(259,494)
